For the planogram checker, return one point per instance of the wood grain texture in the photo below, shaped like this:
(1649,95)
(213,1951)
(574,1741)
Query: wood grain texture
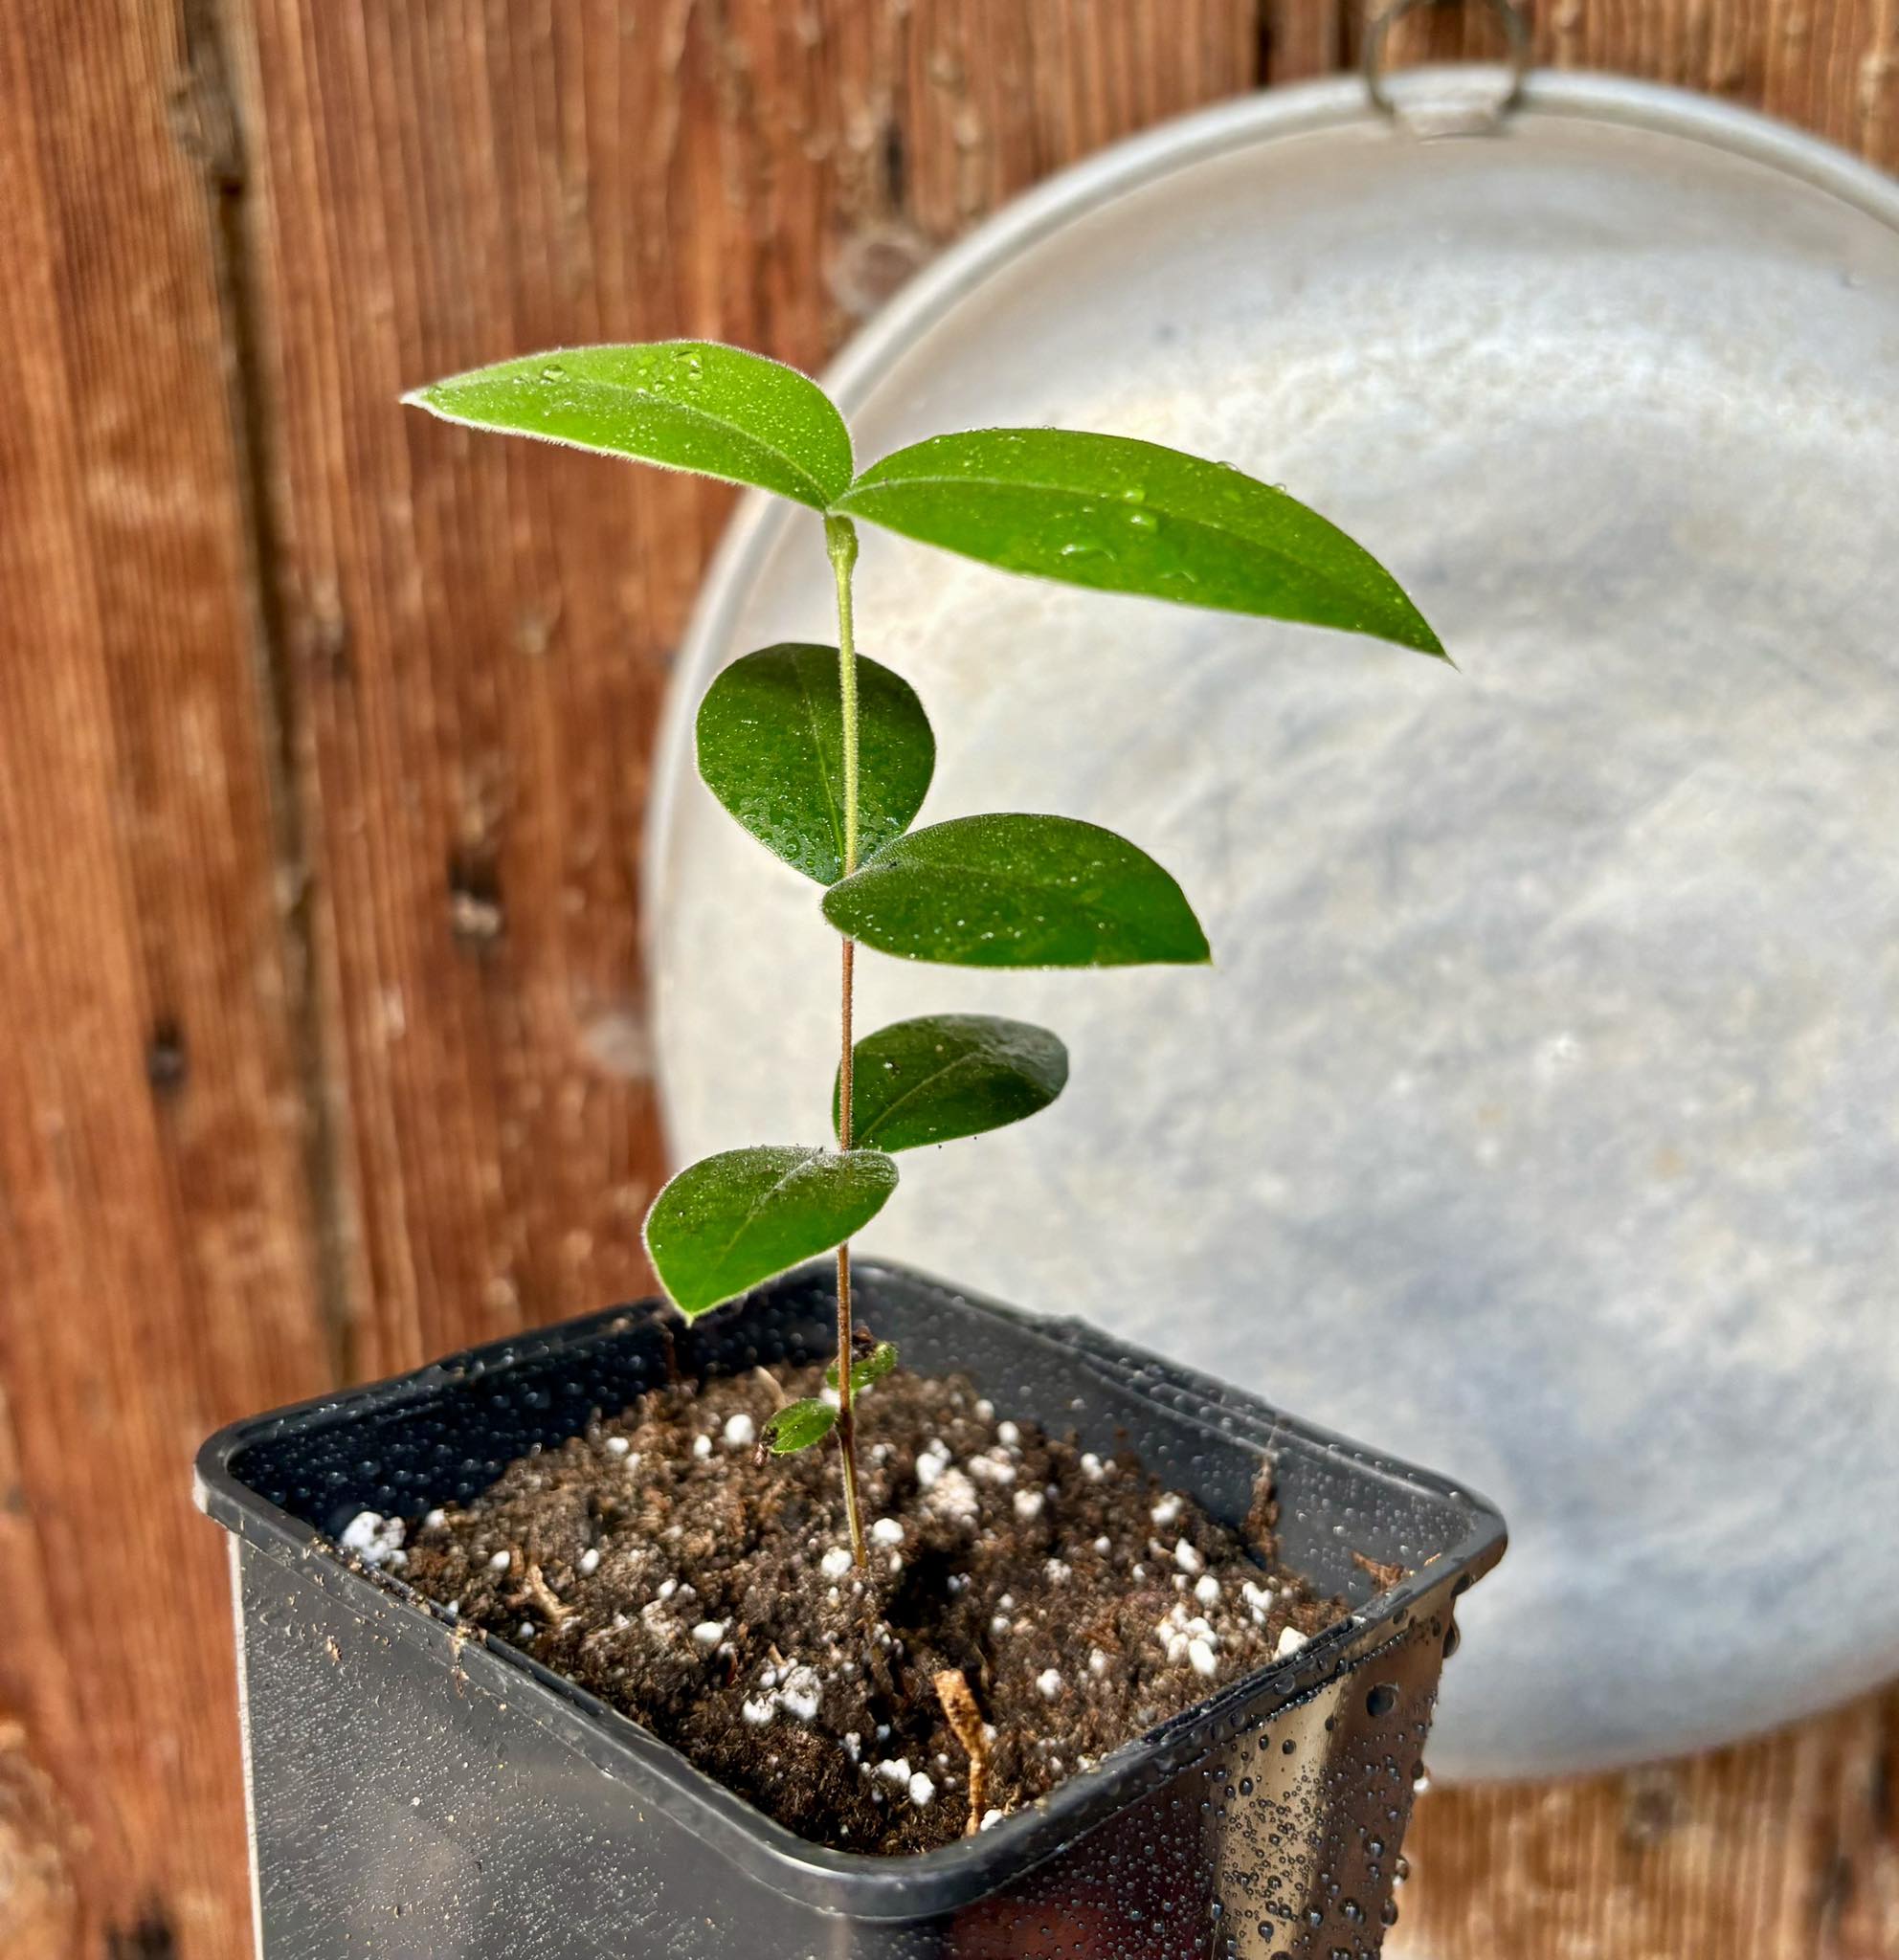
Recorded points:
(155,1261)
(323,757)
(1781,1849)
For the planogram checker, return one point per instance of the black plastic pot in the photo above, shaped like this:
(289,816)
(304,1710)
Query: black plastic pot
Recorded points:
(415,1791)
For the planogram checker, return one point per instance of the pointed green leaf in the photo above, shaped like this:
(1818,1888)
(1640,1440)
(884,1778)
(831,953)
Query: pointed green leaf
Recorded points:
(797,1425)
(684,405)
(945,1076)
(1125,516)
(873,1367)
(728,1223)
(1017,891)
(770,748)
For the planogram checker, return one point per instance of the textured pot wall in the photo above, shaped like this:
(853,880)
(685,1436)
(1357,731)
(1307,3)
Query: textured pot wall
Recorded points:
(1541,1113)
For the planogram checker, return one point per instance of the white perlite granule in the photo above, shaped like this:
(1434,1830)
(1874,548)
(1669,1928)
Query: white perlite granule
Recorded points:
(1290,1640)
(741,1431)
(836,1562)
(801,1693)
(376,1540)
(955,1499)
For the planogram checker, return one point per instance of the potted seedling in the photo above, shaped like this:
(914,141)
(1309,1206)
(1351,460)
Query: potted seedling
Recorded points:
(822,1609)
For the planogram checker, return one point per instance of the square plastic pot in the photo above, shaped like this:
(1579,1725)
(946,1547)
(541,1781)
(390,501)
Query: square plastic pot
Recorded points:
(418,1790)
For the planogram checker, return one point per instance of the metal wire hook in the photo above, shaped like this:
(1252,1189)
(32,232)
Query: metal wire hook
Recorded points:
(1509,16)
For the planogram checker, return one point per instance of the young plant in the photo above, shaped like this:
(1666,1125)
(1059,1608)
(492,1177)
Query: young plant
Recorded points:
(825,756)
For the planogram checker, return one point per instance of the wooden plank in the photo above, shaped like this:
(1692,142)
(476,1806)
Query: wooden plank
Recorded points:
(155,1241)
(320,907)
(1781,1849)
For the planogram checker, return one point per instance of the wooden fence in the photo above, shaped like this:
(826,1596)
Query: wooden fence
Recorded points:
(324,751)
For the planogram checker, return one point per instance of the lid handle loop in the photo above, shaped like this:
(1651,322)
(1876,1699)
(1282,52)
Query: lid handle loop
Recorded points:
(1515,26)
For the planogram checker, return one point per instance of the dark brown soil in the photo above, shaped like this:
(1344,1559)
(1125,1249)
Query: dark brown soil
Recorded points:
(657,1562)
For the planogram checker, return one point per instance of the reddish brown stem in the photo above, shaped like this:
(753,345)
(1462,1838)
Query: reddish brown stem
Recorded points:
(847,1426)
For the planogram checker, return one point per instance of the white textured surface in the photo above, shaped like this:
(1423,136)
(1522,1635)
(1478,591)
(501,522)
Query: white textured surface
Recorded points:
(1540,1119)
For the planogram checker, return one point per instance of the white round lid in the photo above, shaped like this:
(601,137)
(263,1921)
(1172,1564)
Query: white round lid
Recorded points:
(1539,1118)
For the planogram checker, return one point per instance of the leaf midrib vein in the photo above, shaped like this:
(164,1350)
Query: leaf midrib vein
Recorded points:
(916,1089)
(1025,880)
(763,1199)
(1166,510)
(689,412)
(833,814)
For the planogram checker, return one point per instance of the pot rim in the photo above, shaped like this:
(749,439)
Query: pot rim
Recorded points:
(862,1885)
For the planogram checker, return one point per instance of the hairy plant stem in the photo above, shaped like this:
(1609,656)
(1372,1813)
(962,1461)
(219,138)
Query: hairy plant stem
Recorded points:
(840,540)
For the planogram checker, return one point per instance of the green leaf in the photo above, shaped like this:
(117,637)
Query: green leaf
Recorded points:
(685,404)
(1017,891)
(945,1076)
(727,1223)
(1125,516)
(770,748)
(873,1367)
(797,1425)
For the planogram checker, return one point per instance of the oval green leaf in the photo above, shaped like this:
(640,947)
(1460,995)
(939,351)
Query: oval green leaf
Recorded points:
(770,750)
(873,1367)
(1125,516)
(730,1222)
(1017,891)
(947,1075)
(797,1425)
(685,404)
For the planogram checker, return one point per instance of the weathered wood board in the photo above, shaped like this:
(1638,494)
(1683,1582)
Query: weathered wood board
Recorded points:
(324,741)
